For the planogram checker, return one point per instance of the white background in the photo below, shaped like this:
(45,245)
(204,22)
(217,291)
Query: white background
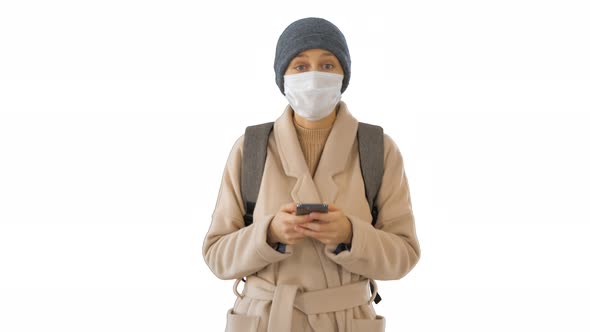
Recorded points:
(117,117)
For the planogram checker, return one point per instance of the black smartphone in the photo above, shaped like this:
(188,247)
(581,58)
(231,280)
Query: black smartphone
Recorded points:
(306,208)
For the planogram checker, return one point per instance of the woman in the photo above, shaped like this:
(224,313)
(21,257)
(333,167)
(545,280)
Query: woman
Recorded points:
(311,272)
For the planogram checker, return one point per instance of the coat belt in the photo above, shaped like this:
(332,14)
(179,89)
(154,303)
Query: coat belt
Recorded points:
(285,297)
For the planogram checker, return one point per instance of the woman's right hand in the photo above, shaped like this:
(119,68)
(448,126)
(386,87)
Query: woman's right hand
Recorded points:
(282,227)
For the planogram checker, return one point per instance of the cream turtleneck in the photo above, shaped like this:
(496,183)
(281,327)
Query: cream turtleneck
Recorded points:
(312,143)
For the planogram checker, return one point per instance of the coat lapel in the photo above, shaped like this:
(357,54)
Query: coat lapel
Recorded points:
(293,160)
(339,147)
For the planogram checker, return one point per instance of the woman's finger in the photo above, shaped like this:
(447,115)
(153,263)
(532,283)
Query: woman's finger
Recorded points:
(307,232)
(332,208)
(297,220)
(313,226)
(328,216)
(289,207)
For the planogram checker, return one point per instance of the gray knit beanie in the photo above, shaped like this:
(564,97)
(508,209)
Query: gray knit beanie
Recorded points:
(308,33)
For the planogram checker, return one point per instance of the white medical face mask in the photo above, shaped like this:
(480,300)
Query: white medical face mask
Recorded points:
(313,94)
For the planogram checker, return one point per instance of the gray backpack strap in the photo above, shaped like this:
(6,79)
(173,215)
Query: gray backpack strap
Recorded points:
(253,160)
(371,154)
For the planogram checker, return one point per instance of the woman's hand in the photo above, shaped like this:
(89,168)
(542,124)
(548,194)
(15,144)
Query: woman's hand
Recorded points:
(282,227)
(332,227)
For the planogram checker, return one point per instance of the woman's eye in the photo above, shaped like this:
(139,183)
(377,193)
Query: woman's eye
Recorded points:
(328,66)
(300,68)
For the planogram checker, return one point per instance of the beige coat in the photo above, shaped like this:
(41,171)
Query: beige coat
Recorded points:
(289,289)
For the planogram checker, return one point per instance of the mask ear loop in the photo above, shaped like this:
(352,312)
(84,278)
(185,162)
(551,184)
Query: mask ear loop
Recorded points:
(236,283)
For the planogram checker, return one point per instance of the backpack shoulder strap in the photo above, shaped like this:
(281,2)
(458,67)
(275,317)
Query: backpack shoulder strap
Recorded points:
(371,154)
(253,160)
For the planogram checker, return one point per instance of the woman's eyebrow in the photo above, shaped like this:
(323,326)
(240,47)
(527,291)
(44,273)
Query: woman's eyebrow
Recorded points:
(327,54)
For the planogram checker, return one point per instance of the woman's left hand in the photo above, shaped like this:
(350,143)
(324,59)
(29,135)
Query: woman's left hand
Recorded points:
(332,227)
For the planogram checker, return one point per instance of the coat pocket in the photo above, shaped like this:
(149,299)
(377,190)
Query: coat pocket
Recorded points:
(369,325)
(241,323)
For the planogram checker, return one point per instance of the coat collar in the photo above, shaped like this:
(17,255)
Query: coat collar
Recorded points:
(338,148)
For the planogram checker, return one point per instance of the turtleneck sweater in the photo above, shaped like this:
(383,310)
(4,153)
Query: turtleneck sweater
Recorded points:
(312,143)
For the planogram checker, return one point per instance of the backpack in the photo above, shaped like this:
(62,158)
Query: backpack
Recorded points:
(371,155)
